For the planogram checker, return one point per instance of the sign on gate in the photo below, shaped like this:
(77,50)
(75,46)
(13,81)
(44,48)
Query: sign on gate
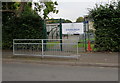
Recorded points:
(72,28)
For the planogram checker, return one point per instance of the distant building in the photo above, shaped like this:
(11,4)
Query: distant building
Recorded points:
(91,25)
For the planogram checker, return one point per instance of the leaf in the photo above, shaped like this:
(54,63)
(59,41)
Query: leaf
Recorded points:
(55,3)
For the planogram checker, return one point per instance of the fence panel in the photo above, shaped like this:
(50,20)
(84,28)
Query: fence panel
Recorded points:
(27,47)
(45,47)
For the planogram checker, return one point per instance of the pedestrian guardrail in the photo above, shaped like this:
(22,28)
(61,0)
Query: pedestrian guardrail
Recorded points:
(46,47)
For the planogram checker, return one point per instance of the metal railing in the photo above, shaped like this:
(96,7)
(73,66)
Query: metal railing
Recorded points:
(45,47)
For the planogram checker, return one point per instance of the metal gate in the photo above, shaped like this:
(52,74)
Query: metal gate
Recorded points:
(46,47)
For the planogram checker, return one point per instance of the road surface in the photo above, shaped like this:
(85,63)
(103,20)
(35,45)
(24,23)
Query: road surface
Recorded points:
(43,72)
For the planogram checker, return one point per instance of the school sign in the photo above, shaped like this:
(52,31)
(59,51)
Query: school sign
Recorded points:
(72,28)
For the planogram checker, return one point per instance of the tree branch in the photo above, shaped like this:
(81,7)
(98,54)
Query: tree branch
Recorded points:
(11,11)
(21,9)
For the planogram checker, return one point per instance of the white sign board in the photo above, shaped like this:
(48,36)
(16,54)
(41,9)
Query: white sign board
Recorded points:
(72,28)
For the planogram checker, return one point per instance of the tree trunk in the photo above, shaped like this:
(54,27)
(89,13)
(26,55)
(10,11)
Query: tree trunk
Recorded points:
(21,9)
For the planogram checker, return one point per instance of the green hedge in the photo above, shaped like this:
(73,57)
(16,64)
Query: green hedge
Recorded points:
(107,24)
(25,27)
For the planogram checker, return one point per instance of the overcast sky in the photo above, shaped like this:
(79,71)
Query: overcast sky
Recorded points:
(72,9)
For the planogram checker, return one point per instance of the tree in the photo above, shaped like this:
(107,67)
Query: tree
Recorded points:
(67,21)
(58,21)
(27,25)
(46,8)
(107,24)
(18,7)
(80,19)
(13,7)
(19,17)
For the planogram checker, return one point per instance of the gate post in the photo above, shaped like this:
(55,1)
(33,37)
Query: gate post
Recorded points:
(77,47)
(85,37)
(61,34)
(45,33)
(13,47)
(42,49)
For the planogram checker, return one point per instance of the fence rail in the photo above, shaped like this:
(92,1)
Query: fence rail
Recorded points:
(46,47)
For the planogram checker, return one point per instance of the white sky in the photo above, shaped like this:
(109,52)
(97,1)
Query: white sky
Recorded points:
(72,9)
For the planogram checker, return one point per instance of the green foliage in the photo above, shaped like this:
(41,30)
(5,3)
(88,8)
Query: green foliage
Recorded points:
(67,21)
(58,21)
(28,26)
(21,29)
(10,5)
(80,19)
(28,11)
(21,22)
(43,8)
(46,7)
(107,24)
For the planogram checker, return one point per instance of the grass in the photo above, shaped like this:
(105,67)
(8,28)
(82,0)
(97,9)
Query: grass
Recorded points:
(86,39)
(81,44)
(51,44)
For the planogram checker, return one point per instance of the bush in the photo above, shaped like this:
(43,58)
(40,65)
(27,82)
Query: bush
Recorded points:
(107,24)
(28,26)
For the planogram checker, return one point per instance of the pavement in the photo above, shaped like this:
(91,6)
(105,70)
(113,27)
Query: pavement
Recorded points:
(44,72)
(97,59)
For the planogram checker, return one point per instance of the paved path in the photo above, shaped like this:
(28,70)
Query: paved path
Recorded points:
(73,39)
(69,47)
(38,72)
(108,59)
